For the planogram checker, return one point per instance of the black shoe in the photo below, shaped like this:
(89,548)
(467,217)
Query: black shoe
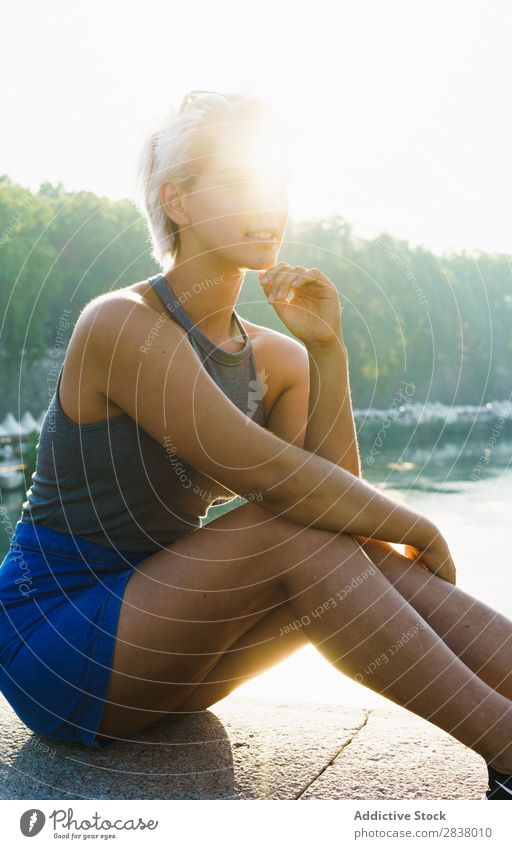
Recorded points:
(500,785)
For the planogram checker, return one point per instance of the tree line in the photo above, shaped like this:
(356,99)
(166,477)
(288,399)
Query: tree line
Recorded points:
(441,323)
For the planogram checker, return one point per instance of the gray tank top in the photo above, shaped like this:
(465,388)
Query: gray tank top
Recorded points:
(111,483)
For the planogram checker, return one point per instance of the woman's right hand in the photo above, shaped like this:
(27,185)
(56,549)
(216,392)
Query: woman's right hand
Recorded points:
(432,551)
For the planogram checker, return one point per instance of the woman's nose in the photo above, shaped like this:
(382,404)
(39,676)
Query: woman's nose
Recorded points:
(271,195)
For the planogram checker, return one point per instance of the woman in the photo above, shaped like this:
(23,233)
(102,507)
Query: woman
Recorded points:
(119,607)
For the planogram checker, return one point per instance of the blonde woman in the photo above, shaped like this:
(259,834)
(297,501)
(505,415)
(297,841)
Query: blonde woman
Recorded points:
(120,607)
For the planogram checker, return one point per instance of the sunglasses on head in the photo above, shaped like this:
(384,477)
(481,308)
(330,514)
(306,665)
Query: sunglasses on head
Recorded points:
(215,101)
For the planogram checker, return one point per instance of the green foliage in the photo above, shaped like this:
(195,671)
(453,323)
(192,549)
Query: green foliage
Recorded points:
(440,323)
(59,250)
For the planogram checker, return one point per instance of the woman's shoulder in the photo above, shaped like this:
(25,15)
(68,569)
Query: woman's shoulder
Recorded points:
(82,387)
(127,313)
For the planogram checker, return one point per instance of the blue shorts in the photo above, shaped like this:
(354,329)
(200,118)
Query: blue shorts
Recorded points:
(60,597)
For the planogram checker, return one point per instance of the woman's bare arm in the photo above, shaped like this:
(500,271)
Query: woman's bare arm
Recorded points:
(168,392)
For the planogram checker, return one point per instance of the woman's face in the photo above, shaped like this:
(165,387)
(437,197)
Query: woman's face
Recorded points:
(238,206)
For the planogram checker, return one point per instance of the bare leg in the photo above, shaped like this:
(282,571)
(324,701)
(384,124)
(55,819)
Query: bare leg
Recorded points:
(479,635)
(257,650)
(311,566)
(424,675)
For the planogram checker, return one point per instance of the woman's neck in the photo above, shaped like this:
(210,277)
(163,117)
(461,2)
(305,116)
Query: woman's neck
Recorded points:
(208,295)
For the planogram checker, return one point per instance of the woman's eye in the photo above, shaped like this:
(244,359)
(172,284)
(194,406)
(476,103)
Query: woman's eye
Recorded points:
(239,185)
(252,185)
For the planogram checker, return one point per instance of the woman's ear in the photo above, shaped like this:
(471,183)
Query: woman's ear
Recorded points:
(172,201)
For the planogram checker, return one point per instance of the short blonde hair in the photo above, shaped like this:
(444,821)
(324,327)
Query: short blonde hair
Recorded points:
(171,150)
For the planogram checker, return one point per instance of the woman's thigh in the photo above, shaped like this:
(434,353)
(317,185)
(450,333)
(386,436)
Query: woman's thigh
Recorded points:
(185,606)
(267,643)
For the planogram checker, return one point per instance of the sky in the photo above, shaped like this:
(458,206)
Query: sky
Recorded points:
(402,109)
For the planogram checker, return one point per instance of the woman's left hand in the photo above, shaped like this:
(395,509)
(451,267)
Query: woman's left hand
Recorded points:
(415,554)
(313,313)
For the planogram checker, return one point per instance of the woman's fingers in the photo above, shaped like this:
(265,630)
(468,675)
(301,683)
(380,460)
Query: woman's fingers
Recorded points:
(440,563)
(278,282)
(278,287)
(436,558)
(446,565)
(433,551)
(414,554)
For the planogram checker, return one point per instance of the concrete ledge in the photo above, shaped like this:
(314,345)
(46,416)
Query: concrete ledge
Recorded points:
(243,748)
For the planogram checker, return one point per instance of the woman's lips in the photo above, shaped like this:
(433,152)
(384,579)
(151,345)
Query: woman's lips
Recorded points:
(270,239)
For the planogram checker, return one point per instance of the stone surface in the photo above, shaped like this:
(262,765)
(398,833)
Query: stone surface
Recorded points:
(243,748)
(397,755)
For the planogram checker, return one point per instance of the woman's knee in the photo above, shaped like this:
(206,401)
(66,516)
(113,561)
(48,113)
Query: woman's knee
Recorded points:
(275,544)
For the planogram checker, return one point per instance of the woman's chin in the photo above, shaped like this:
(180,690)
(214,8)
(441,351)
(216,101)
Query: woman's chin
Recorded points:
(254,257)
(263,258)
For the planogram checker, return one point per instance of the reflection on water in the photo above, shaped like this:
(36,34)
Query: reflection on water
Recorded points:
(467,491)
(463,486)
